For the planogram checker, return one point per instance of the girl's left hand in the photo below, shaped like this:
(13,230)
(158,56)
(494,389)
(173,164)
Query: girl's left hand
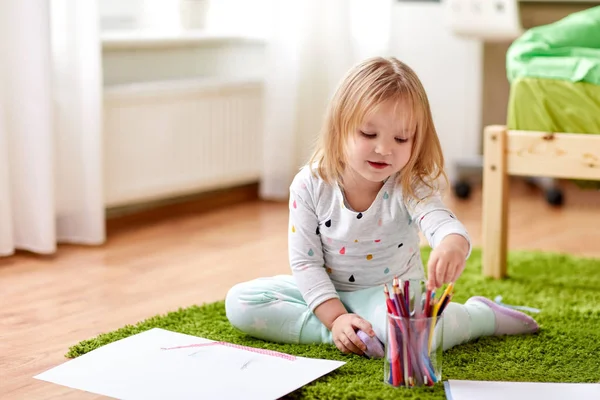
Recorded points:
(447,261)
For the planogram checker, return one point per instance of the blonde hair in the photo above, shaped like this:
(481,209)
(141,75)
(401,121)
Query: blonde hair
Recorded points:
(365,87)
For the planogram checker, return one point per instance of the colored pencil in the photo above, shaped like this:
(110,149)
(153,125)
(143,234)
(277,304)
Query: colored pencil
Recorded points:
(411,331)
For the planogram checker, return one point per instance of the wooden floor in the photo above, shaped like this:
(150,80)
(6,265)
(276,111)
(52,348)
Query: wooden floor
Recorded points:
(154,266)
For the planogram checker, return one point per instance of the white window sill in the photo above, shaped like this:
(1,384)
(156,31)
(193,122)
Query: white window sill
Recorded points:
(127,40)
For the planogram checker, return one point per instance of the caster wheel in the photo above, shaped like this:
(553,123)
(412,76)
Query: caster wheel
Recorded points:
(554,197)
(462,190)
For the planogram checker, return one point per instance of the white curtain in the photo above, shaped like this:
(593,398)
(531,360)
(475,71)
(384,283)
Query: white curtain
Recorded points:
(311,45)
(50,125)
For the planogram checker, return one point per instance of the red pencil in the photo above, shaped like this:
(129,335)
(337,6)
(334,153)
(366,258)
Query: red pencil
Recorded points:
(427,302)
(395,364)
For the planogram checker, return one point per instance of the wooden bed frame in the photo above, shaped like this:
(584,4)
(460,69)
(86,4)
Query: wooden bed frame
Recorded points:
(526,153)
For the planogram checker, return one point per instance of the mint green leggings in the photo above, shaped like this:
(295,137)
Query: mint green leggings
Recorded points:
(273,309)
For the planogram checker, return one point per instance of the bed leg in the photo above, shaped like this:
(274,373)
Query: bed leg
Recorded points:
(495,202)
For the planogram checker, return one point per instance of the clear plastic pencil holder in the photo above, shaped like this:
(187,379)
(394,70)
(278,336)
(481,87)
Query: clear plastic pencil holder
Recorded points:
(413,351)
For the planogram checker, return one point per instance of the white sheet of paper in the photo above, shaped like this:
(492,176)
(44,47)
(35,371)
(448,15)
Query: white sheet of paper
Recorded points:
(492,390)
(138,367)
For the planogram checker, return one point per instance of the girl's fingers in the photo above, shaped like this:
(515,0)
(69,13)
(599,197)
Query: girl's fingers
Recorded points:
(349,344)
(341,346)
(440,269)
(359,346)
(364,326)
(431,271)
(456,271)
(449,273)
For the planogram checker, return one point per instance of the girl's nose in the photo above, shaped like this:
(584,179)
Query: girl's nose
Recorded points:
(383,149)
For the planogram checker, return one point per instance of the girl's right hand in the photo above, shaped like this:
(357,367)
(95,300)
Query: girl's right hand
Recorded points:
(344,334)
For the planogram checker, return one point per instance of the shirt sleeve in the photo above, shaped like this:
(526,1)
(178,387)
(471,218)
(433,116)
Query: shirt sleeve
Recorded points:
(433,218)
(305,248)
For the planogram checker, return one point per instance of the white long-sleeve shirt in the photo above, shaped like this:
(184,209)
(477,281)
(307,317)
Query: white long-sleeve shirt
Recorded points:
(334,248)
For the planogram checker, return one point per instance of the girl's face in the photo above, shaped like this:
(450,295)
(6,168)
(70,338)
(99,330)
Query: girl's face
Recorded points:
(382,144)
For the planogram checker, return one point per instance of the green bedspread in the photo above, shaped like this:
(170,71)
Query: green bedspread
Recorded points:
(568,49)
(552,105)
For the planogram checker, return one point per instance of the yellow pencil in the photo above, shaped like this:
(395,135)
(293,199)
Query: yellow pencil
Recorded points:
(447,291)
(436,308)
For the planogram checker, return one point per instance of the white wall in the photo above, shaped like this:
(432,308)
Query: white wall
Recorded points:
(451,71)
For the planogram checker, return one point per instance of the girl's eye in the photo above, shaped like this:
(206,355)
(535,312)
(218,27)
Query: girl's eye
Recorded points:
(373,135)
(368,135)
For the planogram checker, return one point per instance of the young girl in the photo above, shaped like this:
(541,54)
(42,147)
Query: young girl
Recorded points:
(355,213)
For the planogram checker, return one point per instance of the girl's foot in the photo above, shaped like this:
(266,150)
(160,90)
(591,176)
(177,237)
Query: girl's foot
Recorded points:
(508,321)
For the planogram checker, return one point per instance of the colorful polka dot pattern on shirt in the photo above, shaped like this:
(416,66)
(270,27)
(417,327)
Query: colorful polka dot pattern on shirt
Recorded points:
(360,249)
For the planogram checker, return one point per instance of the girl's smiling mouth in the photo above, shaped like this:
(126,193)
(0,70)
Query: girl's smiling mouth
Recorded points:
(378,165)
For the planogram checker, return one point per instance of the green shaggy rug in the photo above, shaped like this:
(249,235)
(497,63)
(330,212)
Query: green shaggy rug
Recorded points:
(565,288)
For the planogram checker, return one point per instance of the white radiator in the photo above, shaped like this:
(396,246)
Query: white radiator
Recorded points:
(168,139)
